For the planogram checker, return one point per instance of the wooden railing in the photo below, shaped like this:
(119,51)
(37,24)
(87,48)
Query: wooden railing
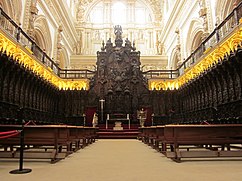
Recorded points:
(161,74)
(76,74)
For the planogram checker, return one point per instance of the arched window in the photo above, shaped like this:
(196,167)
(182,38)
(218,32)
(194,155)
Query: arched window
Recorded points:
(139,16)
(96,15)
(118,13)
(98,18)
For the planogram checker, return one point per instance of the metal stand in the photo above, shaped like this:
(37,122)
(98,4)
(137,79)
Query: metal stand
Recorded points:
(152,119)
(128,120)
(84,120)
(107,121)
(102,105)
(21,170)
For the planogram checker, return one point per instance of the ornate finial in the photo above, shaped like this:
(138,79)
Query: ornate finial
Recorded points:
(118,32)
(134,48)
(103,47)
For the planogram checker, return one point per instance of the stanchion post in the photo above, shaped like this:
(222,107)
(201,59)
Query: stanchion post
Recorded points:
(102,106)
(21,170)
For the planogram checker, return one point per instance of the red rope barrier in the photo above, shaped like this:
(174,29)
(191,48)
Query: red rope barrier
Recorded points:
(29,123)
(205,122)
(10,135)
(8,132)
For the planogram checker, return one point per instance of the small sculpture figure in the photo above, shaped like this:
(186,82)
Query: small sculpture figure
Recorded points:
(142,117)
(95,120)
(118,31)
(127,43)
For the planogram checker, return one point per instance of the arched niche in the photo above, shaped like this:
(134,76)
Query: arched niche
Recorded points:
(175,60)
(42,34)
(64,59)
(224,7)
(194,35)
(12,8)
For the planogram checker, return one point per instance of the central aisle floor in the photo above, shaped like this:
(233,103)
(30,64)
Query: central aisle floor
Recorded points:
(123,160)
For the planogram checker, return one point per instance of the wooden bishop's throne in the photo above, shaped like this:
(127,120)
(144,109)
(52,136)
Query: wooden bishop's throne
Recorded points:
(118,82)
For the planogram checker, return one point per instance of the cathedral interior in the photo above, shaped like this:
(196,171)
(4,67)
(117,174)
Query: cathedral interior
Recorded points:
(63,61)
(164,72)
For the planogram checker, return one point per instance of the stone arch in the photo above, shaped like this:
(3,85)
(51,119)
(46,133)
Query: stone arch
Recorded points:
(64,59)
(12,8)
(194,35)
(152,8)
(7,7)
(42,34)
(223,8)
(175,60)
(17,10)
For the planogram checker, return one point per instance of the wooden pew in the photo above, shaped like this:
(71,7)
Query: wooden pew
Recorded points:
(41,139)
(44,141)
(153,136)
(90,134)
(200,141)
(148,135)
(75,138)
(141,133)
(159,138)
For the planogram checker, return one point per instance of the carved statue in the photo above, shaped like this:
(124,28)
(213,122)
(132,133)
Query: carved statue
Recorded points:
(127,43)
(142,117)
(118,31)
(159,47)
(95,120)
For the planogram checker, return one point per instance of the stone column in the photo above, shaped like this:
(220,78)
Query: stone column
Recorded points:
(107,11)
(33,13)
(159,44)
(203,14)
(59,44)
(131,11)
(178,48)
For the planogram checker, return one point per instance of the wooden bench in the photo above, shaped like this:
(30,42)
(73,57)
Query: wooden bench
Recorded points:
(76,138)
(148,134)
(200,141)
(159,138)
(87,135)
(90,134)
(53,142)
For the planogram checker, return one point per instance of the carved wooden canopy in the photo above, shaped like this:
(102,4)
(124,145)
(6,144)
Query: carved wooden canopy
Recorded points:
(118,79)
